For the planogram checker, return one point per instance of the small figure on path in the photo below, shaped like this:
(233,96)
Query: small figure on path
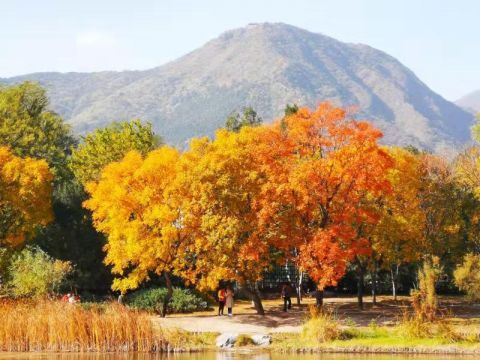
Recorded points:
(229,300)
(221,300)
(287,296)
(121,299)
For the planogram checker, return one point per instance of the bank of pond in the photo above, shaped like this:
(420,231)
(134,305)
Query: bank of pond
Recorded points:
(54,326)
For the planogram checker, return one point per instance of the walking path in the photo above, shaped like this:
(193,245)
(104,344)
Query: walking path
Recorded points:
(245,320)
(243,323)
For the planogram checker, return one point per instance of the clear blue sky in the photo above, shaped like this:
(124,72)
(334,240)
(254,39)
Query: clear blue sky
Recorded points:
(437,39)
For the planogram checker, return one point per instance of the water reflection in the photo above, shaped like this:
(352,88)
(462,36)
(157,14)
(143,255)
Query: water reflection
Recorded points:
(226,355)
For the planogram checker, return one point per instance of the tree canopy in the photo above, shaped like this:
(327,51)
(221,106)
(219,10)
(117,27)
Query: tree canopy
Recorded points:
(25,197)
(30,128)
(248,117)
(109,144)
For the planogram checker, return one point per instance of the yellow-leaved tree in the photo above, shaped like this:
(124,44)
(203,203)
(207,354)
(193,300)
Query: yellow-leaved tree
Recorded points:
(220,183)
(397,238)
(133,205)
(25,197)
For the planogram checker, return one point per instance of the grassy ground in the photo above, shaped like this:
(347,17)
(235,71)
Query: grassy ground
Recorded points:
(373,329)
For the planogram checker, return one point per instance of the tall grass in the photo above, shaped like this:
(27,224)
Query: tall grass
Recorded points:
(321,327)
(57,326)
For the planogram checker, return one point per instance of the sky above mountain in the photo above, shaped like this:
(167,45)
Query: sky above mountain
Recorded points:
(436,39)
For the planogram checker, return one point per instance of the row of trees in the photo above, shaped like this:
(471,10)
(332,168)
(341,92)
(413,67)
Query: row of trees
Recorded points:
(314,189)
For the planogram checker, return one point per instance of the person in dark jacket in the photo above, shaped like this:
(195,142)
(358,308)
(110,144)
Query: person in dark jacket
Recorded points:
(287,292)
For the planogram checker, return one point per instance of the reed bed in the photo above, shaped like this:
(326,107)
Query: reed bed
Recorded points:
(56,326)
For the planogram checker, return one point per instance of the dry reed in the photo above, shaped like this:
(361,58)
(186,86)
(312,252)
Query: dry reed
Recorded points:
(57,326)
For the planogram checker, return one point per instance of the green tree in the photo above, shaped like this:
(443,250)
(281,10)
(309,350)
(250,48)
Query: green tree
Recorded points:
(248,117)
(290,109)
(109,144)
(30,128)
(34,273)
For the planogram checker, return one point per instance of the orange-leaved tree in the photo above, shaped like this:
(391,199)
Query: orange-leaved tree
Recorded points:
(132,204)
(25,197)
(220,182)
(323,169)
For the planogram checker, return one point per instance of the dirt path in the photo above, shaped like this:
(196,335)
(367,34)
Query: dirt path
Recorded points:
(245,320)
(242,323)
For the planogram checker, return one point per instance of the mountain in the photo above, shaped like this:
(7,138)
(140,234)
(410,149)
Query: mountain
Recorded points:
(470,102)
(264,66)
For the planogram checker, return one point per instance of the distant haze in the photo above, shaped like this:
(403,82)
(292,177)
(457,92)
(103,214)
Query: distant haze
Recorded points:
(470,101)
(264,66)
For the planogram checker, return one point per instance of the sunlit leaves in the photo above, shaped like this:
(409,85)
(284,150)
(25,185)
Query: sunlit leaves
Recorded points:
(25,197)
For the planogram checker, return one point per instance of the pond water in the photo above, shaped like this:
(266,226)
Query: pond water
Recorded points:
(227,356)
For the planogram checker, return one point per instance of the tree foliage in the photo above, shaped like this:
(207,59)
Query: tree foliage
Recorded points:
(131,204)
(109,144)
(248,117)
(467,276)
(323,169)
(25,197)
(31,129)
(219,183)
(34,273)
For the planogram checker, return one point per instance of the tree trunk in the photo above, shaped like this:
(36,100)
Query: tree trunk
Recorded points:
(374,283)
(319,298)
(299,287)
(360,285)
(394,276)
(256,300)
(168,297)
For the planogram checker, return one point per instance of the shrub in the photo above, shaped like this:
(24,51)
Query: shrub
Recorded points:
(183,300)
(424,299)
(321,327)
(467,276)
(414,327)
(33,273)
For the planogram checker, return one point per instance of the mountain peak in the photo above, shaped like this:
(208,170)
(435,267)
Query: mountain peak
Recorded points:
(263,65)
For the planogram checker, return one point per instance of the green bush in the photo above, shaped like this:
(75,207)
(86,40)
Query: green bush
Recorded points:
(183,300)
(33,273)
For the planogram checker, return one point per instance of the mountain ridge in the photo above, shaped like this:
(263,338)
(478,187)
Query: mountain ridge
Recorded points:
(470,102)
(264,66)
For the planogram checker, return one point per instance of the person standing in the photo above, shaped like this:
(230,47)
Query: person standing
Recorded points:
(287,296)
(229,300)
(221,301)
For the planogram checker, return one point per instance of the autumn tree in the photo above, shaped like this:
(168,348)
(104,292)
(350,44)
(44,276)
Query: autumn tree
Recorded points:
(132,204)
(25,197)
(467,169)
(248,117)
(220,182)
(442,203)
(106,145)
(396,237)
(322,168)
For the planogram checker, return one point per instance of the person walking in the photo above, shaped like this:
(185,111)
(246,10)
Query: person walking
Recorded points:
(221,301)
(286,296)
(229,300)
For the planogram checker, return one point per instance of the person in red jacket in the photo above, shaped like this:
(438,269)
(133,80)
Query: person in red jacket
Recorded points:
(221,300)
